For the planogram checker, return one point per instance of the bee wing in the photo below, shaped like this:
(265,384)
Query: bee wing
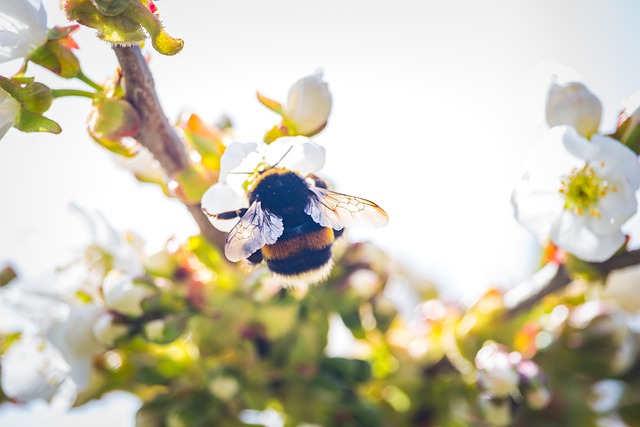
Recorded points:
(256,228)
(337,210)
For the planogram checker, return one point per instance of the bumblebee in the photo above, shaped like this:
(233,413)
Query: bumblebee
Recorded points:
(291,224)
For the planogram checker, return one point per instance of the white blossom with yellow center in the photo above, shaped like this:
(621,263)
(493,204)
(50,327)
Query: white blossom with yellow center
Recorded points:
(578,193)
(241,163)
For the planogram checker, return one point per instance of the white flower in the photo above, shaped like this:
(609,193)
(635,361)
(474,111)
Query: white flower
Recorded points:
(124,249)
(497,373)
(308,104)
(23,28)
(77,343)
(578,193)
(242,159)
(123,294)
(9,108)
(33,368)
(54,357)
(25,311)
(574,105)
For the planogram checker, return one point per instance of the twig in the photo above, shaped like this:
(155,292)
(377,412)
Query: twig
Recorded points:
(529,293)
(156,133)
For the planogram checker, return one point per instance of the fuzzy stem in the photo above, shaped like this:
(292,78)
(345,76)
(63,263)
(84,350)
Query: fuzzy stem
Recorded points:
(156,133)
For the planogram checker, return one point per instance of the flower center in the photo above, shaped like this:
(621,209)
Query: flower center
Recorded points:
(583,189)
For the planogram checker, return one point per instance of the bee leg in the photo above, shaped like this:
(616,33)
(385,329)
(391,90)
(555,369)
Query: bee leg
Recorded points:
(226,215)
(256,257)
(338,233)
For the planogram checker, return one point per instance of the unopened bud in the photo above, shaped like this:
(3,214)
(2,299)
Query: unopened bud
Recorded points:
(36,97)
(111,7)
(308,104)
(113,119)
(573,104)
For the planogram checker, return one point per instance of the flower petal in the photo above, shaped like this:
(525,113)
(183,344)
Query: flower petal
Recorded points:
(555,155)
(32,368)
(571,233)
(536,208)
(27,20)
(298,153)
(615,209)
(222,198)
(234,156)
(616,161)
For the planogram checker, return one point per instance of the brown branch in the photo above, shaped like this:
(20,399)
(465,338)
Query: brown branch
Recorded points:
(156,133)
(528,294)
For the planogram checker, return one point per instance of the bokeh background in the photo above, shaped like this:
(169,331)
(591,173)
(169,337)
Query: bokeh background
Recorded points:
(435,107)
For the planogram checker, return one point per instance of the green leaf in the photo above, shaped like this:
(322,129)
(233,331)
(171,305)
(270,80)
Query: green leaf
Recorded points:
(274,106)
(59,33)
(274,133)
(28,121)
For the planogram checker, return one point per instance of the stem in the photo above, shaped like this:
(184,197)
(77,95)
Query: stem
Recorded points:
(82,77)
(156,134)
(59,93)
(532,291)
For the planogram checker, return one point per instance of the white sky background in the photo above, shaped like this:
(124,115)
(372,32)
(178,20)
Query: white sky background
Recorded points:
(427,122)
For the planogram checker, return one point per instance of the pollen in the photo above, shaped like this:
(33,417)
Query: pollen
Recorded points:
(583,189)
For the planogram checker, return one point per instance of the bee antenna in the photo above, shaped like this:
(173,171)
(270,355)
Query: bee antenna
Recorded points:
(283,156)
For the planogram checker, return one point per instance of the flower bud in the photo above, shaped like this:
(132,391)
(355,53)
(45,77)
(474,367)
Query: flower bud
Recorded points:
(111,7)
(107,330)
(36,97)
(308,104)
(497,373)
(573,104)
(113,119)
(125,295)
